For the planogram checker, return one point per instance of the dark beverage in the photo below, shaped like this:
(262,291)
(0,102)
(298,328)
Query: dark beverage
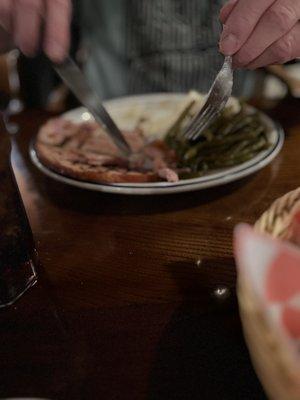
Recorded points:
(17,251)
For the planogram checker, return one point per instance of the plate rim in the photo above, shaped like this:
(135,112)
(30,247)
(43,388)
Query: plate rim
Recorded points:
(215,179)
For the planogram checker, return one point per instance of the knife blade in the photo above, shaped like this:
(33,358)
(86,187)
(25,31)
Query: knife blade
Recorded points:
(73,77)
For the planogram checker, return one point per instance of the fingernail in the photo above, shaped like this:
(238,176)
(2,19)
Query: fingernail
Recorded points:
(229,42)
(55,52)
(27,51)
(27,48)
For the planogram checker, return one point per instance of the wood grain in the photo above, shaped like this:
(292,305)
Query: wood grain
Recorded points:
(125,305)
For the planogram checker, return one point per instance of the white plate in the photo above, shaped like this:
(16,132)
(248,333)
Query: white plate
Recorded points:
(159,110)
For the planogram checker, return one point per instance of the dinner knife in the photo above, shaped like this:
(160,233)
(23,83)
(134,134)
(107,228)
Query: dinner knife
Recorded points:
(75,80)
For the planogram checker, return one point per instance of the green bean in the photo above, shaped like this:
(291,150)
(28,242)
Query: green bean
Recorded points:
(196,149)
(229,141)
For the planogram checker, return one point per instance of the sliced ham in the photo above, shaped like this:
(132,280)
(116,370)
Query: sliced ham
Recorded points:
(85,152)
(168,174)
(94,159)
(57,130)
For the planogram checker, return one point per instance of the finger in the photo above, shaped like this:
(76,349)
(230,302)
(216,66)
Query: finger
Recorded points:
(226,10)
(241,23)
(279,19)
(5,14)
(285,49)
(27,25)
(57,31)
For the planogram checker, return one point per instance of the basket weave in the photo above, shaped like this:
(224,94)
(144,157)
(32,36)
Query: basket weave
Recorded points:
(276,220)
(277,369)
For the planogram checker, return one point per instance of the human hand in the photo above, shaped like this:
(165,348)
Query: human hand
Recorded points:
(260,32)
(23,19)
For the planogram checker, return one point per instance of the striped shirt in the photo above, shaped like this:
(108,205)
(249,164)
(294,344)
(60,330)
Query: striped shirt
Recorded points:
(142,46)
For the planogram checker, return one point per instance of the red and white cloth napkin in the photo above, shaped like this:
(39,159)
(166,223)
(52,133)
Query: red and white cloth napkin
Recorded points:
(271,268)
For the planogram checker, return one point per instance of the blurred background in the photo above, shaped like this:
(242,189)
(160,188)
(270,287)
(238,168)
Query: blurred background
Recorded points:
(32,83)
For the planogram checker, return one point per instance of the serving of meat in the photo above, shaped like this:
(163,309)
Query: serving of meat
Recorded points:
(83,151)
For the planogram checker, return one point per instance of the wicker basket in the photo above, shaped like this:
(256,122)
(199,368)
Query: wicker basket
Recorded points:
(277,219)
(277,369)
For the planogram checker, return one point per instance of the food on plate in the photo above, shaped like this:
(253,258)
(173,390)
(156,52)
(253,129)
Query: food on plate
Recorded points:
(83,151)
(234,138)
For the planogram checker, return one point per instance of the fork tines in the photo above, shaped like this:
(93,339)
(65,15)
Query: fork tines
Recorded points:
(200,122)
(216,100)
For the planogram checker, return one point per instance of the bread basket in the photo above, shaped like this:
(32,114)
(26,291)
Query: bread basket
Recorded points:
(277,369)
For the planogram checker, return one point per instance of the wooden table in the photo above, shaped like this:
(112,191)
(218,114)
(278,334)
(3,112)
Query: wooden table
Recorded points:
(125,305)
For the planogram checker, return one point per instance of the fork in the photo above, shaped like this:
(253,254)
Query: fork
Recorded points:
(216,100)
